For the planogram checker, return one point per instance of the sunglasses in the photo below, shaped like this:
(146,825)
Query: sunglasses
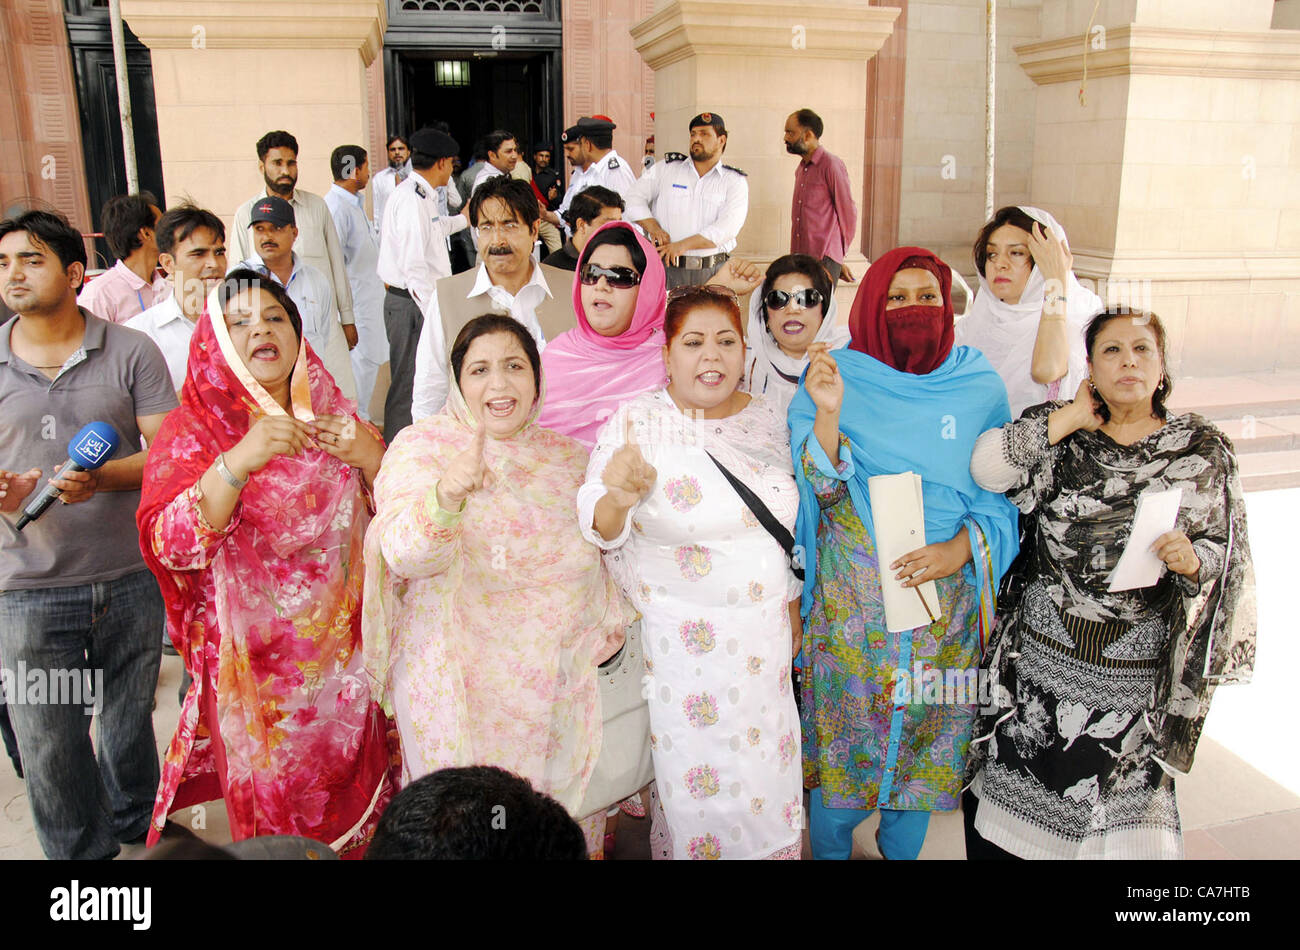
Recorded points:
(779,299)
(620,278)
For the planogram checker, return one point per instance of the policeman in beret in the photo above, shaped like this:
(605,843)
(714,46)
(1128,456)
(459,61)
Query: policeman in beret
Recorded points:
(412,258)
(692,207)
(595,162)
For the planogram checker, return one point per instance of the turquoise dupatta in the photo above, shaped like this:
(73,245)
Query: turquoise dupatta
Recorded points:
(897,422)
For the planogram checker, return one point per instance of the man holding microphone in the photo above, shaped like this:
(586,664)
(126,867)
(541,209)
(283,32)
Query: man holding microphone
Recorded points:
(76,599)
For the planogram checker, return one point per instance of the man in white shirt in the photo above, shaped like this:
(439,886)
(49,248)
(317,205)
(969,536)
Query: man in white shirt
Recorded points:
(192,251)
(318,242)
(274,234)
(412,258)
(350,166)
(692,209)
(597,163)
(385,182)
(509,281)
(502,156)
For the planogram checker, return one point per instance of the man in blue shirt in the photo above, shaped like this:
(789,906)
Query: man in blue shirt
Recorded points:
(350,167)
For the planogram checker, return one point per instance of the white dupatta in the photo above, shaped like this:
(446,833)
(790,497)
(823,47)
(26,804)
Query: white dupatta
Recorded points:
(1005,332)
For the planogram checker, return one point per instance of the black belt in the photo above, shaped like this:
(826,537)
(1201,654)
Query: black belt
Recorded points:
(400,291)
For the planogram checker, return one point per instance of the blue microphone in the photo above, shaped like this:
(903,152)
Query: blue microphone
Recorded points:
(89,449)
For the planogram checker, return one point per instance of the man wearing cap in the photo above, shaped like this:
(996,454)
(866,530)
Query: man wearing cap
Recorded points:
(595,163)
(545,176)
(692,209)
(318,242)
(412,259)
(273,235)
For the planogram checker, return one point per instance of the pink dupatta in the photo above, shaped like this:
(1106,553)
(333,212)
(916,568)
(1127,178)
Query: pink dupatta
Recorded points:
(588,375)
(266,611)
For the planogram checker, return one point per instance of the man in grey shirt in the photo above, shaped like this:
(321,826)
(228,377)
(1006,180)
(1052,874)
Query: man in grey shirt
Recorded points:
(77,604)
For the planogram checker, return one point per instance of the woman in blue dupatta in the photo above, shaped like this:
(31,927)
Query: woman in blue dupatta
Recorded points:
(887,717)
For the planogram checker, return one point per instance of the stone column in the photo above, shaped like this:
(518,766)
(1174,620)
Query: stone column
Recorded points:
(1173,168)
(754,62)
(227,71)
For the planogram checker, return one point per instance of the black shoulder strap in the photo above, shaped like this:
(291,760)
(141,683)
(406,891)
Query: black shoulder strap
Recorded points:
(763,514)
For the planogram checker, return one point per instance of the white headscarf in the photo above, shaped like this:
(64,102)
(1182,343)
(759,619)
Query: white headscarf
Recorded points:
(768,369)
(1005,332)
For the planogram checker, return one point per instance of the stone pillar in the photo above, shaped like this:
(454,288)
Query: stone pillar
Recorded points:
(1173,168)
(227,71)
(754,62)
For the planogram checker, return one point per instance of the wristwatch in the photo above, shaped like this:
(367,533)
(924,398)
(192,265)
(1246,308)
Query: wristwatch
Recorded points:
(227,475)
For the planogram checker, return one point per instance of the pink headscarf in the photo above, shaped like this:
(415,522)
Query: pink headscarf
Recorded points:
(588,376)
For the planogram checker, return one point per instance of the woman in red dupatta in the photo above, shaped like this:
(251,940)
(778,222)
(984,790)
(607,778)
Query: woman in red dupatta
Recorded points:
(264,596)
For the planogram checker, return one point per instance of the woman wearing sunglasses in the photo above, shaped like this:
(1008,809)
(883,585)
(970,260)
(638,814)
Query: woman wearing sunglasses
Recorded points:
(712,584)
(795,308)
(616,350)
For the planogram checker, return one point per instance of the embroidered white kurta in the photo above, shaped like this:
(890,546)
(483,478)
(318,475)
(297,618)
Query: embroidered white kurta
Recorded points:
(712,586)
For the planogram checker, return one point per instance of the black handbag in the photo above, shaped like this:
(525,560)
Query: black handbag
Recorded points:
(1016,579)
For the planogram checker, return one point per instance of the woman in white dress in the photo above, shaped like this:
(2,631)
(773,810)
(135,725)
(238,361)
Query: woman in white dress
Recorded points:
(714,587)
(1029,314)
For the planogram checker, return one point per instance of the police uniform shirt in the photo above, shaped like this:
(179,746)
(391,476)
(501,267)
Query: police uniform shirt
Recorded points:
(413,255)
(684,204)
(610,172)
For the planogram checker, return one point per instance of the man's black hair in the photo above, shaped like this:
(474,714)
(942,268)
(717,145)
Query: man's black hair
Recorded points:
(493,141)
(277,139)
(810,120)
(122,218)
(477,812)
(52,231)
(517,194)
(180,222)
(345,160)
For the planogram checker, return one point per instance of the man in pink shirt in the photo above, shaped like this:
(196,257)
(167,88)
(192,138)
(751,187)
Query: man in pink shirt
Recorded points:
(822,215)
(134,283)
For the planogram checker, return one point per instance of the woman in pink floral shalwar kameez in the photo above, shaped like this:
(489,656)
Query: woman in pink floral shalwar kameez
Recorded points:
(253,518)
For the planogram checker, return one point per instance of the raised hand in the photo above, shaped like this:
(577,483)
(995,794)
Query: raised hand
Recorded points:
(466,473)
(738,275)
(823,382)
(15,487)
(1053,257)
(268,437)
(628,477)
(1086,407)
(353,444)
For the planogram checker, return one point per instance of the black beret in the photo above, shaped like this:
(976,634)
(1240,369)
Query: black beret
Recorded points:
(434,143)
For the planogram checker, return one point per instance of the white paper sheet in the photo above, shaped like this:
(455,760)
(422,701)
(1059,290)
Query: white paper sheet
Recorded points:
(898,512)
(1157,513)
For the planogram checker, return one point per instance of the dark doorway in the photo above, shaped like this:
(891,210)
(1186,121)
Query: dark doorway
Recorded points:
(91,42)
(473,93)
